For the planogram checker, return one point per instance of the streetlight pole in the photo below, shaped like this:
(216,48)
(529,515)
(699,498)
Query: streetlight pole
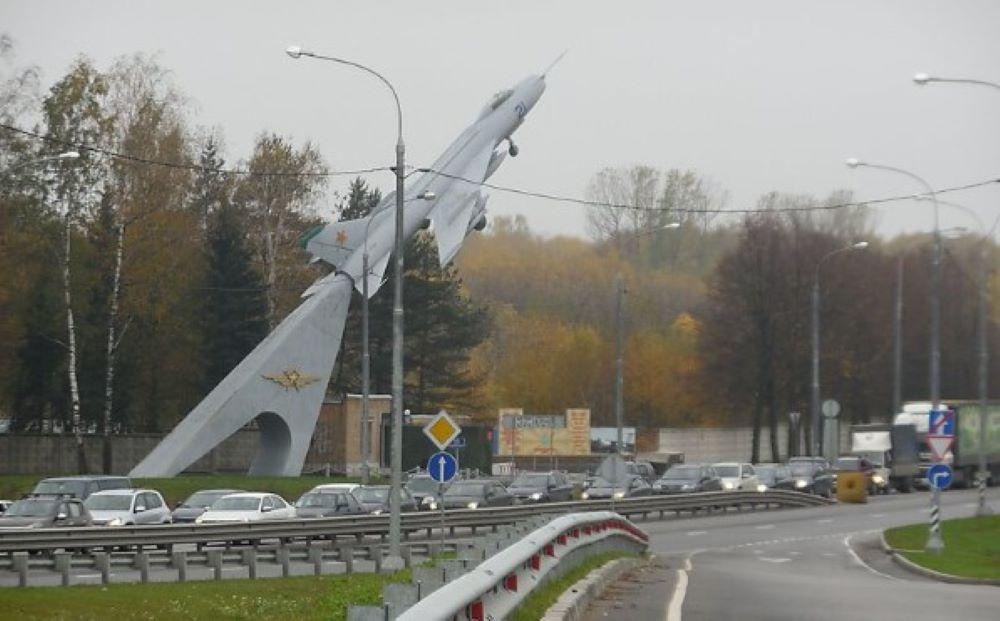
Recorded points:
(397,308)
(620,347)
(817,438)
(934,542)
(897,338)
(922,79)
(66,155)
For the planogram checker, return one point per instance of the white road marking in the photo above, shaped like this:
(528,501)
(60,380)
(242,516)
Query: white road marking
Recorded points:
(680,590)
(857,559)
(829,554)
(878,515)
(769,559)
(764,527)
(824,521)
(794,553)
(695,533)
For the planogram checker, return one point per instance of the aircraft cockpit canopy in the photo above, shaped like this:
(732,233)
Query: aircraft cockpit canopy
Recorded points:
(496,101)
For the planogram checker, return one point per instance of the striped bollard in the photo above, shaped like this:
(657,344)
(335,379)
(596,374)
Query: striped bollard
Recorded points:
(983,508)
(934,542)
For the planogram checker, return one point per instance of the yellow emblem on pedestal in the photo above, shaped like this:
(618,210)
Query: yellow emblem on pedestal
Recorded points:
(292,378)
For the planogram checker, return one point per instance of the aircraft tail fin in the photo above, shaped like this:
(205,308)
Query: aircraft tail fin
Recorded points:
(334,243)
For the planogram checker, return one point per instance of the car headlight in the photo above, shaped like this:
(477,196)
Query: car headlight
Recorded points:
(727,485)
(199,519)
(473,505)
(761,488)
(433,505)
(377,512)
(878,480)
(687,487)
(619,494)
(428,500)
(536,496)
(800,483)
(116,522)
(585,495)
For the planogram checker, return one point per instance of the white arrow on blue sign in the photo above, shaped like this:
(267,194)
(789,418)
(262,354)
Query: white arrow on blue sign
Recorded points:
(442,467)
(939,476)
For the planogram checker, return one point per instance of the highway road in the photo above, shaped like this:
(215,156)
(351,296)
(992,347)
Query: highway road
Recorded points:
(814,563)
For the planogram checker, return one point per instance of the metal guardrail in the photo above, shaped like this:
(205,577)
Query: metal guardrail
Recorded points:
(307,529)
(495,587)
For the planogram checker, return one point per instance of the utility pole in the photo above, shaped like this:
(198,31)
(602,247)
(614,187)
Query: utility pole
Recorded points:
(983,507)
(619,359)
(897,344)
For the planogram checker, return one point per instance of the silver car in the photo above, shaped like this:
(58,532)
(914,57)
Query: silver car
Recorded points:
(127,507)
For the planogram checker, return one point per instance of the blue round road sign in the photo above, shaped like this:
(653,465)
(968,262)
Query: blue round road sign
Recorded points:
(939,476)
(442,467)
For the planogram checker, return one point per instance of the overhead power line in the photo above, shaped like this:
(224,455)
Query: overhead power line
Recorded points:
(183,165)
(492,186)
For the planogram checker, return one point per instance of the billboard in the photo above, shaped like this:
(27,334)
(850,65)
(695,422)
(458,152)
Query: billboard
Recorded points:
(558,434)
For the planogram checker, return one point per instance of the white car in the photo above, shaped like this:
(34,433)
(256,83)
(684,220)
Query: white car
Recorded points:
(336,487)
(127,507)
(247,507)
(737,476)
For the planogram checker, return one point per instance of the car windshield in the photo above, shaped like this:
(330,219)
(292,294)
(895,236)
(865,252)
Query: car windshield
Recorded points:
(728,471)
(531,480)
(683,473)
(203,499)
(75,488)
(801,469)
(109,502)
(463,488)
(317,499)
(847,463)
(422,485)
(32,508)
(372,494)
(236,503)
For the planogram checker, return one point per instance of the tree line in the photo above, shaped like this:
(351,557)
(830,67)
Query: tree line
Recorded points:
(128,289)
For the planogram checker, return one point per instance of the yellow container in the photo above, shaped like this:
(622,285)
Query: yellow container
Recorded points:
(852,487)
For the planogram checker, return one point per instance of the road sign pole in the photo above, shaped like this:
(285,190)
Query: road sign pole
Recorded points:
(935,545)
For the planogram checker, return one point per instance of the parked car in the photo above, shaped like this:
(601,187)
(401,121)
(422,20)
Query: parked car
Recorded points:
(424,490)
(811,476)
(328,503)
(815,460)
(79,487)
(42,512)
(247,507)
(631,485)
(541,487)
(127,507)
(197,503)
(374,499)
(738,476)
(775,476)
(688,478)
(475,494)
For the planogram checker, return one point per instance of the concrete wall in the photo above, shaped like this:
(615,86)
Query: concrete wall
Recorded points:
(712,444)
(56,454)
(336,441)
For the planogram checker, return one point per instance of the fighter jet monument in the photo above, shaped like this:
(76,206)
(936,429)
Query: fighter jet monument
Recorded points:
(281,383)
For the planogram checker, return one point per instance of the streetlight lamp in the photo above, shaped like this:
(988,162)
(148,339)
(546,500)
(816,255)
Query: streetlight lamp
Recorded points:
(397,308)
(814,394)
(923,79)
(620,346)
(365,355)
(934,542)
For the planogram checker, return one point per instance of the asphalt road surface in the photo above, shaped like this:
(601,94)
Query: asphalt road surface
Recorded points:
(816,563)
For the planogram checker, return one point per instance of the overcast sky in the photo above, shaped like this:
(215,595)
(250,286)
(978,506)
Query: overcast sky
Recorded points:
(758,96)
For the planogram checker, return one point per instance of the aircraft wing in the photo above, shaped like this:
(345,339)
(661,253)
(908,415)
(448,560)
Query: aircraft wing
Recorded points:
(456,210)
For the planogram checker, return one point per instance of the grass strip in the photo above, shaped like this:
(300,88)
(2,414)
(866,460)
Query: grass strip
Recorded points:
(541,599)
(301,598)
(971,546)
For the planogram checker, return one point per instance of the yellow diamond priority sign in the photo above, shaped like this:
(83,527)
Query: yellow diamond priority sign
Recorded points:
(442,430)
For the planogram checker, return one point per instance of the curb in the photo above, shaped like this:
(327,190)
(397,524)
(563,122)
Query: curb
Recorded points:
(912,567)
(574,601)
